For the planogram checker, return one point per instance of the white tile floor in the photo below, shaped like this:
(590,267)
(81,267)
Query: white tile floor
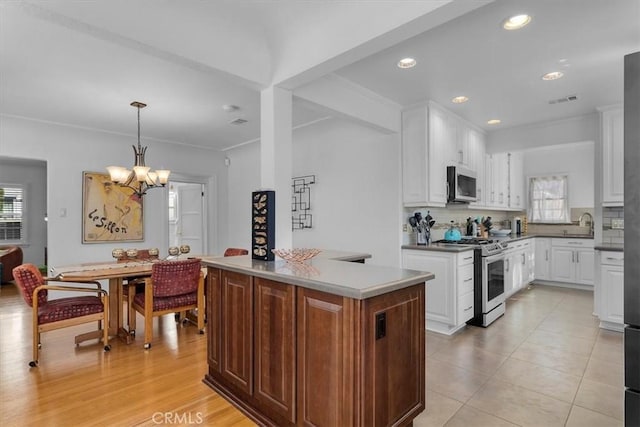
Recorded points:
(544,363)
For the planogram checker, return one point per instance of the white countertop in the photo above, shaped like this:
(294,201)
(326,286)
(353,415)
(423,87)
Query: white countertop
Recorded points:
(348,279)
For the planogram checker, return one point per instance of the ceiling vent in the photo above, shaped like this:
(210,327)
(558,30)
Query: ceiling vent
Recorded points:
(565,99)
(238,121)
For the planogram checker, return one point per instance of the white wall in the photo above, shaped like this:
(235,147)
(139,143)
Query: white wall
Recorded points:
(68,151)
(576,160)
(244,178)
(32,175)
(356,200)
(575,129)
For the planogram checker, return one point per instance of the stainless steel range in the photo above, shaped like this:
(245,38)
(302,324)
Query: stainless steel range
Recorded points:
(489,301)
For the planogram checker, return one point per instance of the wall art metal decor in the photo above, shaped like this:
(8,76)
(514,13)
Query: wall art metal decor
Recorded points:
(263,224)
(110,213)
(301,216)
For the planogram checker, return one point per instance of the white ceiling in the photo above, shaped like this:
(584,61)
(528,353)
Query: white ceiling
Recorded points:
(82,62)
(500,71)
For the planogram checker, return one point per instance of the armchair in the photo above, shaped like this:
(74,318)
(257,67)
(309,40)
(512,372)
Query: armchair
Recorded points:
(174,286)
(235,252)
(10,257)
(61,313)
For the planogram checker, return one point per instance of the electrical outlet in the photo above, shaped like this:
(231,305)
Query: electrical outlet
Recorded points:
(617,224)
(405,228)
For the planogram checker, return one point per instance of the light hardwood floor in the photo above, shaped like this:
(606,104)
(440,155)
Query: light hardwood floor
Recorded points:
(544,363)
(84,386)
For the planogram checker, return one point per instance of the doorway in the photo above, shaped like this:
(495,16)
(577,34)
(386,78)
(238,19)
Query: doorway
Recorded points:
(187,212)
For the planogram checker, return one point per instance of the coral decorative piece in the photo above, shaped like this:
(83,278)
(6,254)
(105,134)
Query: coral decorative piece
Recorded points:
(296,255)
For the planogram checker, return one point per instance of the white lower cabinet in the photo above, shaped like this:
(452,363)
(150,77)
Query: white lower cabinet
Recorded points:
(542,258)
(449,296)
(519,266)
(610,290)
(572,261)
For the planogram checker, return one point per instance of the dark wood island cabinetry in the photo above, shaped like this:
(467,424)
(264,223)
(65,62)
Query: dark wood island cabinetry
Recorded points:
(293,348)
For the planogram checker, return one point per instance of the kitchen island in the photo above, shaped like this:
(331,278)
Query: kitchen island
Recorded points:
(326,343)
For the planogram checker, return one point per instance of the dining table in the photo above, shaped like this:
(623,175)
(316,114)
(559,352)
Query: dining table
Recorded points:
(115,273)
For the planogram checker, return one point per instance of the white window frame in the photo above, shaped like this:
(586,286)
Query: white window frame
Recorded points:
(544,216)
(23,217)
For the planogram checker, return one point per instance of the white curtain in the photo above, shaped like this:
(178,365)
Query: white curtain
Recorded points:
(549,199)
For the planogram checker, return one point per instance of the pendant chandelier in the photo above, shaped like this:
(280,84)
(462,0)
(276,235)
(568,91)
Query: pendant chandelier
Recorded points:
(141,177)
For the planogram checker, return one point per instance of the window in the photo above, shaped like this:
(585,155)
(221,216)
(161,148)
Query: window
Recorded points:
(11,213)
(173,205)
(548,199)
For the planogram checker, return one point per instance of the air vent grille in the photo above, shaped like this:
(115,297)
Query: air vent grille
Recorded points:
(238,121)
(564,99)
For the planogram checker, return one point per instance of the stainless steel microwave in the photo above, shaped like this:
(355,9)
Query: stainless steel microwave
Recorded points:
(461,184)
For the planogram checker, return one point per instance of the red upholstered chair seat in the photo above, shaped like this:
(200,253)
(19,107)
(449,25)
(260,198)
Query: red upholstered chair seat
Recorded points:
(174,286)
(168,303)
(92,305)
(68,308)
(235,252)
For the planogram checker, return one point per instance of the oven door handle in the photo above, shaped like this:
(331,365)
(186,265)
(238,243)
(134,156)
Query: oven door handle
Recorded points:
(492,258)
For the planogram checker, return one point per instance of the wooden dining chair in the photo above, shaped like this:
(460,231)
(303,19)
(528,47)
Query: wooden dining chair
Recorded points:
(143,255)
(63,312)
(174,286)
(192,315)
(235,252)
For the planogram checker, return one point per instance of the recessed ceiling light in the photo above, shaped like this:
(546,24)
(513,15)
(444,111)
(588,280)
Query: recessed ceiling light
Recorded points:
(493,122)
(407,63)
(230,108)
(554,75)
(459,99)
(516,22)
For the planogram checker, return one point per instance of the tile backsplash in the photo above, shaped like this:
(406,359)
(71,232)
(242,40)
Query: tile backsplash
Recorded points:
(612,220)
(573,228)
(458,215)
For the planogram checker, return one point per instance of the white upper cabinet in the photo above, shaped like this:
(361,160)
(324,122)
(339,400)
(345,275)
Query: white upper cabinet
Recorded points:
(497,180)
(517,193)
(414,157)
(504,183)
(477,150)
(612,157)
(442,144)
(432,139)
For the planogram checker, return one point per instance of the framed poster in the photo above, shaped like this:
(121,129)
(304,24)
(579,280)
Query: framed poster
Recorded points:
(110,213)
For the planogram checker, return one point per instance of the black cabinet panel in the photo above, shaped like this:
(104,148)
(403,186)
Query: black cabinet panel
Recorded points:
(631,409)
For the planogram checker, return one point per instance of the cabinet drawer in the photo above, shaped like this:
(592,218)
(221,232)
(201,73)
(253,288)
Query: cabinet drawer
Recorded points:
(465,258)
(612,258)
(572,243)
(465,307)
(465,279)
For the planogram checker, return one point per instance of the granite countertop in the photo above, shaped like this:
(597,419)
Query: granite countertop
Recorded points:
(457,247)
(563,236)
(442,247)
(613,247)
(348,279)
(342,255)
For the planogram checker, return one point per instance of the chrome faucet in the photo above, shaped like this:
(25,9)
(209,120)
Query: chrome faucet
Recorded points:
(581,221)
